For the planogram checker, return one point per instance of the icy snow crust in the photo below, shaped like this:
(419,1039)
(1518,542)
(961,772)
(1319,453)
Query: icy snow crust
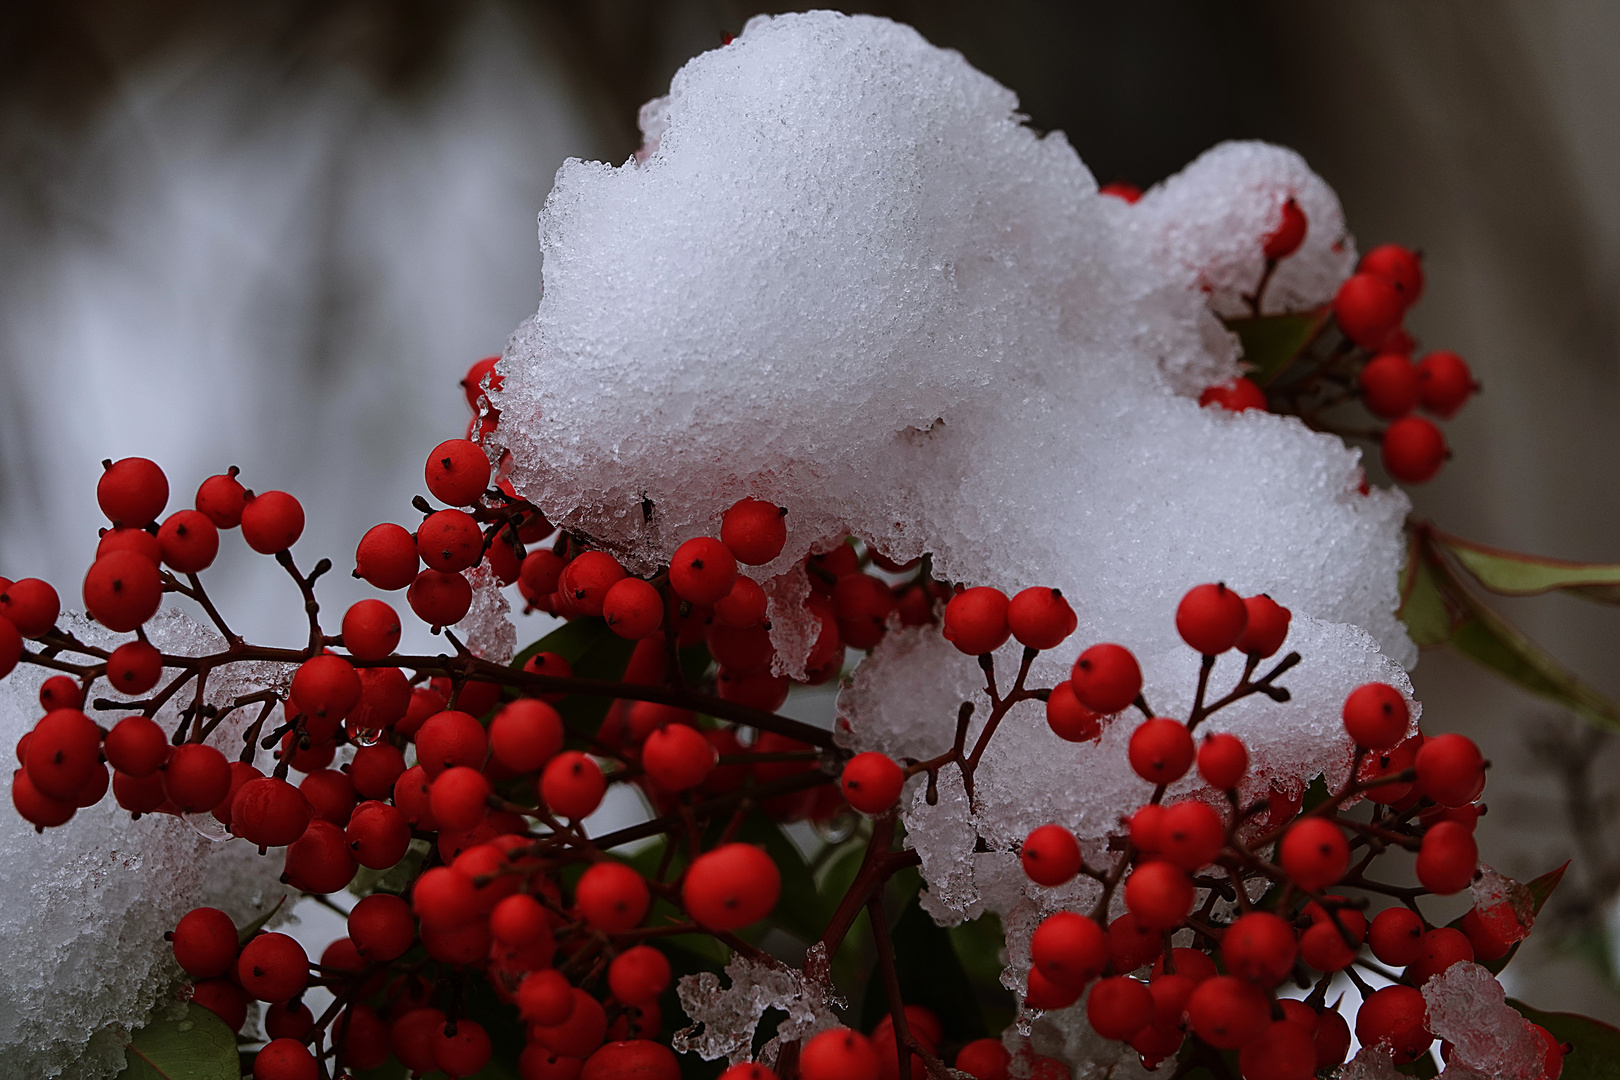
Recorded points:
(843,276)
(86,906)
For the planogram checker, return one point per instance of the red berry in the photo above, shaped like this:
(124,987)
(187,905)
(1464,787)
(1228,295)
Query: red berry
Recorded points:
(1283,1050)
(1050,855)
(196,777)
(444,899)
(320,860)
(1315,854)
(639,975)
(633,609)
(612,897)
(272,521)
(189,541)
(30,605)
(1488,945)
(740,652)
(370,629)
(361,1037)
(133,668)
(1413,450)
(1390,763)
(1222,761)
(60,692)
(872,782)
(1397,265)
(1376,716)
(1040,618)
(1130,944)
(1289,234)
(457,472)
(461,1047)
(378,834)
(1122,190)
(138,541)
(744,606)
(632,1059)
(587,579)
(1368,309)
(1323,947)
(273,967)
(862,604)
(1069,949)
(702,570)
(123,590)
(1106,678)
(982,1059)
(1159,894)
(539,573)
(572,785)
(1227,1012)
(755,531)
(1119,1007)
(222,499)
(375,769)
(450,541)
(132,492)
(326,687)
(753,1071)
(1389,385)
(1161,750)
(545,998)
(1397,1017)
(284,1059)
(1192,834)
(1147,829)
(137,746)
(387,557)
(519,920)
(1450,769)
(138,795)
(1439,949)
(1068,718)
(205,942)
(381,927)
(1234,395)
(525,734)
(839,1054)
(1266,627)
(1396,936)
(11,650)
(731,886)
(677,758)
(224,999)
(1044,994)
(976,620)
(1447,859)
(439,599)
(460,797)
(285,1020)
(269,812)
(448,739)
(472,384)
(37,808)
(1445,383)
(1259,947)
(1211,618)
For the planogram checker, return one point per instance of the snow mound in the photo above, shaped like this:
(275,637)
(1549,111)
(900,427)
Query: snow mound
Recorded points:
(1468,1008)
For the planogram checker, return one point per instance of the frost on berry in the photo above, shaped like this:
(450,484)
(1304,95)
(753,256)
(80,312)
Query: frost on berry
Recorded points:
(83,938)
(724,1019)
(1467,1008)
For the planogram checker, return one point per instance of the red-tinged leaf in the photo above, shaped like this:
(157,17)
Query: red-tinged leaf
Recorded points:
(1272,342)
(1429,618)
(1513,573)
(1541,888)
(1594,1046)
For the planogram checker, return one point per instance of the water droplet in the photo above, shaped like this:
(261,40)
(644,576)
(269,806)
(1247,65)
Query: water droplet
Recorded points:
(366,736)
(837,829)
(207,826)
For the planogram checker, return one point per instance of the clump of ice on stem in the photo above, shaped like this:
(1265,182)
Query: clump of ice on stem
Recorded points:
(1468,1008)
(724,1019)
(86,906)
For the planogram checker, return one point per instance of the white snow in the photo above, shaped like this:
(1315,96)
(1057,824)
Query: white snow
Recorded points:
(1468,1008)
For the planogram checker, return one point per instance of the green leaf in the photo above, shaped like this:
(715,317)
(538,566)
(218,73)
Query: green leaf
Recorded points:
(245,935)
(798,911)
(395,878)
(930,975)
(1485,637)
(1541,888)
(569,641)
(198,1046)
(1594,1046)
(1512,573)
(1424,610)
(1272,342)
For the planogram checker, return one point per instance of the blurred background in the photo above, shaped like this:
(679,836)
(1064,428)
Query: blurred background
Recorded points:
(275,235)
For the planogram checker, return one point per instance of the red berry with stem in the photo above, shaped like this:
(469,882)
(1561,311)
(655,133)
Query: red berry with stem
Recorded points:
(1389,386)
(1222,760)
(1289,233)
(1040,618)
(375,769)
(222,499)
(450,541)
(460,798)
(872,782)
(457,472)
(448,739)
(30,605)
(1192,834)
(1161,750)
(1266,626)
(378,834)
(612,897)
(326,687)
(37,808)
(269,812)
(677,758)
(744,606)
(839,1054)
(386,557)
(1119,1007)
(60,692)
(1050,855)
(754,531)
(1235,395)
(1211,618)
(1413,450)
(731,886)
(1397,265)
(572,785)
(1396,936)
(1315,854)
(1450,769)
(273,967)
(139,541)
(1070,720)
(381,927)
(134,668)
(1447,858)
(123,590)
(702,570)
(439,599)
(132,492)
(1444,383)
(137,746)
(1106,678)
(189,541)
(539,573)
(272,522)
(1368,309)
(639,975)
(1069,949)
(461,1047)
(196,777)
(1376,716)
(976,620)
(587,578)
(1260,947)
(1159,894)
(205,942)
(1397,1017)
(633,609)
(1227,1012)
(370,629)
(525,734)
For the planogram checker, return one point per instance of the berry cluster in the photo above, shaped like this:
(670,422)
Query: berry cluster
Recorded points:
(1370,359)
